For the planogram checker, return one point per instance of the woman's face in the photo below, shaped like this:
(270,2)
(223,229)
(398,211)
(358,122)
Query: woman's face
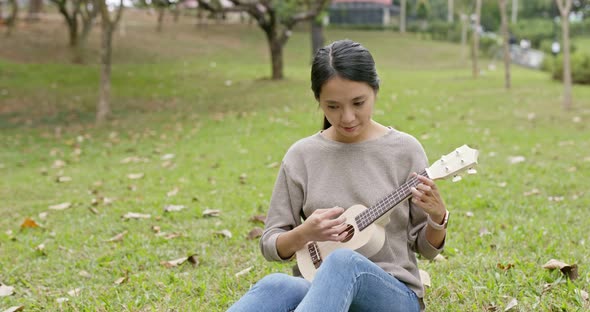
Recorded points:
(348,106)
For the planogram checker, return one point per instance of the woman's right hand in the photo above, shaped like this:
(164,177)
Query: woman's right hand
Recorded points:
(325,225)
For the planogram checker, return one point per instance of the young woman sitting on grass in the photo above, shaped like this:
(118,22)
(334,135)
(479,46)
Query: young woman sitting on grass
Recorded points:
(353,160)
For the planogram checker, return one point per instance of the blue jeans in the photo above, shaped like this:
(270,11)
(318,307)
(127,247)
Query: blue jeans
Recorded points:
(346,281)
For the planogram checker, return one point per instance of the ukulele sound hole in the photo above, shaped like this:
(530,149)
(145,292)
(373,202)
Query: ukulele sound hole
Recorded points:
(350,234)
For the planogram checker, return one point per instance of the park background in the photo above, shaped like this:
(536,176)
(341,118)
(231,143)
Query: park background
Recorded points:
(157,205)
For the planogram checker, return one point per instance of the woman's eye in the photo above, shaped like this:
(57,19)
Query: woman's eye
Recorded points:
(332,107)
(359,103)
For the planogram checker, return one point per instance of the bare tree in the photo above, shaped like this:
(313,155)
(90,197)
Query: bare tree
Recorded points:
(74,12)
(475,48)
(514,12)
(565,7)
(12,17)
(450,11)
(276,19)
(402,16)
(317,35)
(108,25)
(35,7)
(505,43)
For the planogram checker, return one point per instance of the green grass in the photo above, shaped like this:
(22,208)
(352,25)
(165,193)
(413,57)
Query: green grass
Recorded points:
(173,99)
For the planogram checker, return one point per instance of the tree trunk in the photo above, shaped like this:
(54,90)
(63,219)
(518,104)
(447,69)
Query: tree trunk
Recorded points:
(402,17)
(450,11)
(103,110)
(11,20)
(317,36)
(505,43)
(464,25)
(276,56)
(73,31)
(161,12)
(564,9)
(475,48)
(35,7)
(514,11)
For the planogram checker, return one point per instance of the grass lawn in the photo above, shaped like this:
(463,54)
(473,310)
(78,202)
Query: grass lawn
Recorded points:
(196,117)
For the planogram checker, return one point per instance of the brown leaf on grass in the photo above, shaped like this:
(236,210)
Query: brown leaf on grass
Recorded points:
(258,218)
(135,215)
(244,271)
(224,233)
(513,303)
(121,280)
(117,238)
(211,213)
(173,192)
(135,176)
(504,267)
(29,223)
(439,258)
(273,165)
(171,208)
(425,277)
(84,274)
(156,229)
(43,215)
(532,192)
(255,233)
(62,206)
(569,270)
(174,263)
(492,308)
(58,164)
(243,178)
(93,210)
(63,179)
(583,294)
(40,248)
(75,292)
(6,290)
(15,309)
(61,300)
(484,231)
(172,235)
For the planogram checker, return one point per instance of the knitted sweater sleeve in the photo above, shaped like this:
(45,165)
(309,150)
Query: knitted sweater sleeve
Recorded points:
(283,213)
(418,218)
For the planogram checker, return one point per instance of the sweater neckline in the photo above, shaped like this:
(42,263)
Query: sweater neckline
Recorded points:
(334,143)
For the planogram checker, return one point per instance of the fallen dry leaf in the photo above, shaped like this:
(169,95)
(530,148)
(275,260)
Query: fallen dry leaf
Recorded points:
(135,176)
(62,300)
(15,309)
(255,233)
(43,215)
(273,165)
(75,292)
(484,231)
(513,303)
(174,263)
(62,206)
(63,179)
(516,159)
(211,213)
(425,277)
(439,258)
(244,271)
(167,157)
(117,238)
(29,223)
(243,178)
(121,280)
(258,218)
(58,164)
(571,271)
(6,290)
(224,233)
(135,215)
(504,267)
(84,274)
(156,229)
(172,192)
(170,208)
(40,248)
(583,294)
(469,214)
(532,192)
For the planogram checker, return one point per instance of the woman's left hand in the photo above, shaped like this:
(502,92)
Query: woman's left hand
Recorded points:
(426,196)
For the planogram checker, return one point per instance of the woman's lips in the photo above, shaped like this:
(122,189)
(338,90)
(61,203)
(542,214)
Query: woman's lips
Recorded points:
(349,129)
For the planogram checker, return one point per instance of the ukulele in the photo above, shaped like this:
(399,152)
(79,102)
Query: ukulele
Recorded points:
(365,226)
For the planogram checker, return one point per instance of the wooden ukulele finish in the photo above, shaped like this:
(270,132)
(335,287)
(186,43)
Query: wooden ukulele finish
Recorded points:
(366,232)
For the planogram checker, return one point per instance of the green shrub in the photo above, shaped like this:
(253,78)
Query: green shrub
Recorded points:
(580,65)
(535,30)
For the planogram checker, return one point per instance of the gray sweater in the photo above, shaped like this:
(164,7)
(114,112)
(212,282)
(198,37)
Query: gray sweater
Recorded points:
(317,172)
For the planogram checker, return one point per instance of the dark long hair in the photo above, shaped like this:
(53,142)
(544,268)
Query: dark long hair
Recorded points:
(344,58)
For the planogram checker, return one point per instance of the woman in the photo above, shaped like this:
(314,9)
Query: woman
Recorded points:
(354,160)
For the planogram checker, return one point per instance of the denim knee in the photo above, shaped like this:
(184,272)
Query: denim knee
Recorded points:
(281,283)
(341,257)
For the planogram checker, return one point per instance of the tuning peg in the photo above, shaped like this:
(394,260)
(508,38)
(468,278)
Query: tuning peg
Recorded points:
(457,178)
(471,171)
